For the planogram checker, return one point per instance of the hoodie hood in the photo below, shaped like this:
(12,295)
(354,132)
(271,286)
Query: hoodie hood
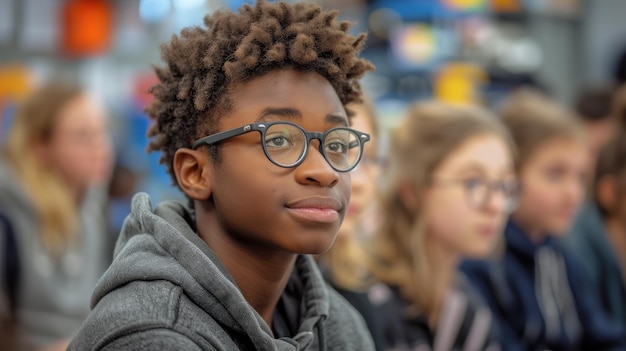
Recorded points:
(161,244)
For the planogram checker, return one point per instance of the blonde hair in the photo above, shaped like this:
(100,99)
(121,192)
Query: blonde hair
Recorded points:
(428,133)
(346,259)
(533,119)
(35,122)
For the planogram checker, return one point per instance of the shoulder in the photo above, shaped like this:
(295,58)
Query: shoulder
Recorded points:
(132,307)
(145,313)
(345,328)
(152,339)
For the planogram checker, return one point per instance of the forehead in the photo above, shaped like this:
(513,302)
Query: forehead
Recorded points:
(308,92)
(486,152)
(81,111)
(560,148)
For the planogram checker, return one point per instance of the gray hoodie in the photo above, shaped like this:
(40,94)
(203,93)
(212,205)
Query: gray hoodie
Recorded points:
(166,290)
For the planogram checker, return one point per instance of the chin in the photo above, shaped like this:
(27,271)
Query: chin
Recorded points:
(313,247)
(559,228)
(480,252)
(316,250)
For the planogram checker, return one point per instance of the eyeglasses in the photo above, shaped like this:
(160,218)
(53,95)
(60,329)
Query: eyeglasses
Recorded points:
(478,191)
(286,144)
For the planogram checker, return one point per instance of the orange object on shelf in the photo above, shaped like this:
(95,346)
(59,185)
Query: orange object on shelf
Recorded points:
(87,27)
(506,6)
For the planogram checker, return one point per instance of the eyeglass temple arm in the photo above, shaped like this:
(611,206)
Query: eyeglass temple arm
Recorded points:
(217,137)
(364,138)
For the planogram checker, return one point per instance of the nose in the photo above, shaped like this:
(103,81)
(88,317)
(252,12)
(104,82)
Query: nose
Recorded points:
(315,170)
(496,201)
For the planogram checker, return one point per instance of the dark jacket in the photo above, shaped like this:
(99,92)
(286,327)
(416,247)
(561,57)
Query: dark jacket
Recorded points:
(601,270)
(166,290)
(541,303)
(361,302)
(464,324)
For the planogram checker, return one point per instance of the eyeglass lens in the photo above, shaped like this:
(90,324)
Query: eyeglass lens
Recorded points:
(479,192)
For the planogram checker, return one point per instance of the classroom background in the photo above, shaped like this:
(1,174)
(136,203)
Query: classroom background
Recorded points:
(462,51)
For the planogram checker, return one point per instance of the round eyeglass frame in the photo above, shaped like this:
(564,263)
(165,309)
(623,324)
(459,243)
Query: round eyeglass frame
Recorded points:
(262,127)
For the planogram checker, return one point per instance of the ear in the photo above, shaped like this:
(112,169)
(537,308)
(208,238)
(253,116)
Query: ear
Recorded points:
(193,169)
(606,192)
(408,196)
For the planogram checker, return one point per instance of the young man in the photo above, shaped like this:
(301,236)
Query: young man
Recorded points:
(250,119)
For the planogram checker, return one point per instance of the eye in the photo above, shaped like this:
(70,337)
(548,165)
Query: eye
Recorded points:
(473,184)
(555,174)
(278,140)
(337,146)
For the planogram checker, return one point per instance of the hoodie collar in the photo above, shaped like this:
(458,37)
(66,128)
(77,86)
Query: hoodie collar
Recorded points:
(161,244)
(519,241)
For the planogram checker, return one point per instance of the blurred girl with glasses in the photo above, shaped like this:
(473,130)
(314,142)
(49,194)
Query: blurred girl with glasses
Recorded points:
(343,265)
(446,197)
(53,248)
(535,289)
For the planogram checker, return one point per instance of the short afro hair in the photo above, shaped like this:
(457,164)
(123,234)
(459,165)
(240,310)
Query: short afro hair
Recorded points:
(192,92)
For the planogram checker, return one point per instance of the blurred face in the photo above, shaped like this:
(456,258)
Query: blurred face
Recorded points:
(598,134)
(466,206)
(287,210)
(553,187)
(364,176)
(80,147)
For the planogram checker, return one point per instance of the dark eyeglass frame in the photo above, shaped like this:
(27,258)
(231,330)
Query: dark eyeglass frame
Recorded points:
(491,187)
(262,127)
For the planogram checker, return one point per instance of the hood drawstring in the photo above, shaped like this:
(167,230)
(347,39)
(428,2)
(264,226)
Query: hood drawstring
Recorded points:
(554,295)
(322,338)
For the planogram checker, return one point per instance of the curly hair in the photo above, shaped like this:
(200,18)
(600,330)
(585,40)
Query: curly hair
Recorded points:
(202,63)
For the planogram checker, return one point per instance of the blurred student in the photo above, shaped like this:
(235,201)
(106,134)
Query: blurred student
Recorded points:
(53,174)
(447,198)
(250,118)
(535,289)
(598,236)
(344,264)
(593,108)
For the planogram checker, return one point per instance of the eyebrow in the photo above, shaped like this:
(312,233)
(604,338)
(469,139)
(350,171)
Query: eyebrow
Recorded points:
(292,113)
(475,167)
(472,167)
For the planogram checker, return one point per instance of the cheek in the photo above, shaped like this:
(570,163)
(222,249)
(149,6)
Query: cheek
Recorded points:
(238,199)
(74,163)
(537,196)
(550,206)
(455,225)
(448,218)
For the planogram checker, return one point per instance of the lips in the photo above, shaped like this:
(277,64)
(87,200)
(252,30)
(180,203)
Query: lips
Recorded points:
(319,209)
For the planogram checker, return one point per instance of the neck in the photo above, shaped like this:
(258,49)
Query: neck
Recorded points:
(261,273)
(444,263)
(535,234)
(77,194)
